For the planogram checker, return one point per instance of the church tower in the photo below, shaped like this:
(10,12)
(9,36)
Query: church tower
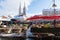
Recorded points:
(24,10)
(22,15)
(20,9)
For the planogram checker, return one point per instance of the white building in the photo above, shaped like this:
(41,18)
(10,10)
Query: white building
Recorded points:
(48,12)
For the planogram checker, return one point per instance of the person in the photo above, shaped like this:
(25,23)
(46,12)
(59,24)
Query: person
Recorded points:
(33,25)
(57,25)
(29,33)
(21,25)
(0,22)
(40,25)
(30,24)
(47,25)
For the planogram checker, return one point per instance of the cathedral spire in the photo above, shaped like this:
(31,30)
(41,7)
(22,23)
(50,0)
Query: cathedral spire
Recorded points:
(24,9)
(20,9)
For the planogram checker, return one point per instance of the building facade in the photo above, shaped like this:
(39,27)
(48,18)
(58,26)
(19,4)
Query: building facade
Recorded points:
(50,12)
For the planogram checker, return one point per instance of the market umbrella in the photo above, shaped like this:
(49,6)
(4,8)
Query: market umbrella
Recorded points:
(54,18)
(44,17)
(50,17)
(34,18)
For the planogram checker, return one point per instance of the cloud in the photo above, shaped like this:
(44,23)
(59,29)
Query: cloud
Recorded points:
(11,7)
(32,14)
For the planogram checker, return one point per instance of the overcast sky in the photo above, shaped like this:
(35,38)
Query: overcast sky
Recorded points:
(33,7)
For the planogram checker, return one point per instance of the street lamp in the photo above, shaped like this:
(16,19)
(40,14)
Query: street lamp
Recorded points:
(54,5)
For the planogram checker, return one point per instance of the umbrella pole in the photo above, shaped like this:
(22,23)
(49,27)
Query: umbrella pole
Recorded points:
(54,19)
(54,5)
(54,22)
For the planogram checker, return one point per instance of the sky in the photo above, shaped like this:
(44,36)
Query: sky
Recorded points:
(33,7)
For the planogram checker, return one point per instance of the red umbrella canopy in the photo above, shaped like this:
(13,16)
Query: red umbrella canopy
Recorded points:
(44,17)
(34,18)
(50,17)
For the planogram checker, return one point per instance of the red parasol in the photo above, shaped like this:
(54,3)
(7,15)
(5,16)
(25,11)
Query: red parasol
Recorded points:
(44,17)
(50,17)
(34,18)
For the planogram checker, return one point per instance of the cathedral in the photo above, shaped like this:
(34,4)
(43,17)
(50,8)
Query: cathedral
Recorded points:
(22,15)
